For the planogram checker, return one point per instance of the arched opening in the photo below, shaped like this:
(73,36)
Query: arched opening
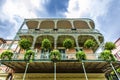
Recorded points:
(47,24)
(64,24)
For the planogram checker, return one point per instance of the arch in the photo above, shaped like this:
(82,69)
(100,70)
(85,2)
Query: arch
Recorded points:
(32,24)
(79,24)
(29,37)
(101,39)
(47,24)
(41,38)
(83,38)
(92,24)
(64,24)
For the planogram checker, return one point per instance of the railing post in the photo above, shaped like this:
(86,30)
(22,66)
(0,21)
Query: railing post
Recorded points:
(54,70)
(25,71)
(114,71)
(84,71)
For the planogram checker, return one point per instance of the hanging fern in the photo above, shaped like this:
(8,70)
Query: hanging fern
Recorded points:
(6,55)
(55,55)
(29,55)
(107,55)
(80,55)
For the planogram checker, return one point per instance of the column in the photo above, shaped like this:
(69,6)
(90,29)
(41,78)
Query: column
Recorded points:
(76,41)
(84,71)
(55,42)
(34,40)
(54,70)
(114,71)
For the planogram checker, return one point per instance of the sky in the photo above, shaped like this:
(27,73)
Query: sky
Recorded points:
(105,14)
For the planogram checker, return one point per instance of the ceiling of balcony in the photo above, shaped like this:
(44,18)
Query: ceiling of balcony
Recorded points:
(61,67)
(60,23)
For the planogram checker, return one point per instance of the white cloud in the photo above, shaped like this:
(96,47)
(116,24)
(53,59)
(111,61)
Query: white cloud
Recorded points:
(93,9)
(21,9)
(83,8)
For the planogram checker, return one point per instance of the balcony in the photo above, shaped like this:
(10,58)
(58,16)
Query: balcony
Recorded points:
(45,56)
(59,31)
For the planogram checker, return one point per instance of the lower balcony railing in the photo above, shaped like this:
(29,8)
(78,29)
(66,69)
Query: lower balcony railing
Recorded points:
(63,56)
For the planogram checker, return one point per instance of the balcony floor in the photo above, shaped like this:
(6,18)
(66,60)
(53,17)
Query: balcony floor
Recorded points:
(64,66)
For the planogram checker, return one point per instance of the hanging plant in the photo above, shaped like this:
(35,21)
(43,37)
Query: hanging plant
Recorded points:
(80,55)
(6,55)
(29,55)
(89,43)
(46,44)
(68,43)
(118,70)
(107,55)
(25,44)
(55,55)
(109,46)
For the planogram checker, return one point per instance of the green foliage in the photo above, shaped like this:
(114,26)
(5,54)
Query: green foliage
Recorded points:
(112,73)
(29,55)
(80,55)
(106,55)
(109,46)
(68,43)
(25,44)
(118,70)
(6,55)
(46,44)
(55,55)
(89,43)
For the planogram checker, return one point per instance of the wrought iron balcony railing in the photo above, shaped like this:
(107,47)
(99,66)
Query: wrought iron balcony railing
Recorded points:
(63,56)
(60,31)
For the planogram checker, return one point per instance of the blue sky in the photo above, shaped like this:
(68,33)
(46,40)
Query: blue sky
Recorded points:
(105,13)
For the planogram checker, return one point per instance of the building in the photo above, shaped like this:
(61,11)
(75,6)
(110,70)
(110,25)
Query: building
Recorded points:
(116,51)
(68,68)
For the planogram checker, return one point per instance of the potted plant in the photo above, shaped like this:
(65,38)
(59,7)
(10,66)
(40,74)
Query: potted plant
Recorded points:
(109,46)
(107,55)
(29,55)
(89,43)
(25,44)
(55,55)
(46,44)
(68,43)
(80,55)
(6,55)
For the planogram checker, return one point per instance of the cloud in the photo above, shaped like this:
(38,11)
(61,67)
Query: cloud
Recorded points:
(14,12)
(101,11)
(87,8)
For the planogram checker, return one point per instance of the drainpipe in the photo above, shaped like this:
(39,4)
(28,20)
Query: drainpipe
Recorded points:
(114,71)
(25,71)
(84,71)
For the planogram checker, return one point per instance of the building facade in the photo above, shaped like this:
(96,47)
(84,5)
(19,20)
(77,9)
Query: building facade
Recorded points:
(68,68)
(116,51)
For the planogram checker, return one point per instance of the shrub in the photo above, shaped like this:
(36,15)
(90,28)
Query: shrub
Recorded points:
(89,43)
(6,55)
(46,44)
(106,55)
(55,55)
(29,55)
(109,46)
(25,44)
(80,55)
(68,43)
